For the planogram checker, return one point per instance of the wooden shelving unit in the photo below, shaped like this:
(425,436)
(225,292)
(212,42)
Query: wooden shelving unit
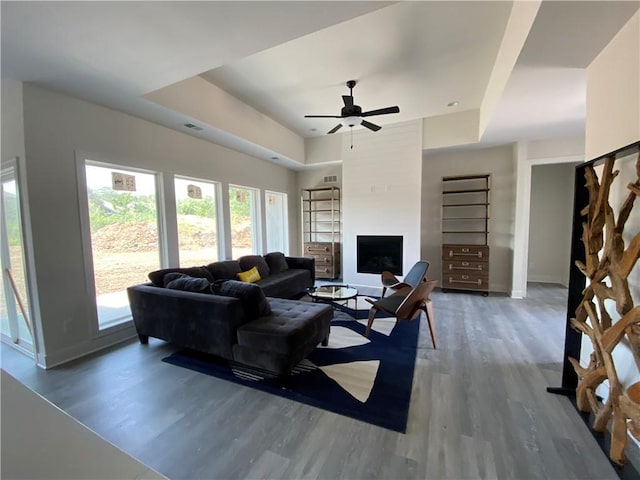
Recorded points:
(465,232)
(321,229)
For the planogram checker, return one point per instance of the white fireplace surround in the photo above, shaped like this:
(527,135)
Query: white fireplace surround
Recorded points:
(381,187)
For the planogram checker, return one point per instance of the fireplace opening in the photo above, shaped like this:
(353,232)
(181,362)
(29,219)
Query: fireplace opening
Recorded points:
(377,253)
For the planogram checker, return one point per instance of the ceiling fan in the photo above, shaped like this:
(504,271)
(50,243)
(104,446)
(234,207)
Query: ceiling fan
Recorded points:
(353,114)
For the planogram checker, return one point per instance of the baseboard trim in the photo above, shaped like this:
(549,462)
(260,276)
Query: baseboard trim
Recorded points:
(86,348)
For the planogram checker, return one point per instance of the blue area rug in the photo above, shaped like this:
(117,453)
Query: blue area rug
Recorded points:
(366,379)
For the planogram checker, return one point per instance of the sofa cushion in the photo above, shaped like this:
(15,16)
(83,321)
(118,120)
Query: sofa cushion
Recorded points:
(277,262)
(250,276)
(249,261)
(180,281)
(291,325)
(287,284)
(251,296)
(224,270)
(157,276)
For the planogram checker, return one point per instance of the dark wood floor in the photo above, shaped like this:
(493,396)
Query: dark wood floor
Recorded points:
(479,407)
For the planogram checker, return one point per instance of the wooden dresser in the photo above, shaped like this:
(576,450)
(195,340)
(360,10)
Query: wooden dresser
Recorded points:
(465,267)
(327,257)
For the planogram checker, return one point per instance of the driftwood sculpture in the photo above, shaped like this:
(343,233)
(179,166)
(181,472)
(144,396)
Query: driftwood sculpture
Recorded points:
(607,266)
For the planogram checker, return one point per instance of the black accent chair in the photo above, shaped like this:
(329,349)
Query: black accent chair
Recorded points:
(417,274)
(406,304)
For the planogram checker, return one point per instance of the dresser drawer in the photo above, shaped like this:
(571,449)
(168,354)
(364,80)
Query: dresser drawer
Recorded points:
(325,272)
(323,260)
(317,248)
(464,252)
(465,266)
(465,281)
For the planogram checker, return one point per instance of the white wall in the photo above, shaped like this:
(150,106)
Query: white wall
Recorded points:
(550,223)
(381,193)
(498,161)
(12,120)
(55,127)
(555,147)
(613,93)
(63,447)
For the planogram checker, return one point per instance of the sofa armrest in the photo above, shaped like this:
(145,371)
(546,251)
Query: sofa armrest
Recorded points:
(203,322)
(305,263)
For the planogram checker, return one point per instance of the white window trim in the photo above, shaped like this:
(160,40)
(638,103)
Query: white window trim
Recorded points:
(285,224)
(100,160)
(256,218)
(33,349)
(219,217)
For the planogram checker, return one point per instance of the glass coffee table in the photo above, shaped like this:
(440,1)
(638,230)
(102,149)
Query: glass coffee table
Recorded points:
(334,293)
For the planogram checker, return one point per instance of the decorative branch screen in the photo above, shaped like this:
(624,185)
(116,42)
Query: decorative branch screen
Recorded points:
(608,313)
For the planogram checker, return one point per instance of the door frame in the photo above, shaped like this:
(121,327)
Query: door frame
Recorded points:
(37,345)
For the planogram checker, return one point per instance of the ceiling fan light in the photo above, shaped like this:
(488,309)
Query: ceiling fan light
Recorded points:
(351,121)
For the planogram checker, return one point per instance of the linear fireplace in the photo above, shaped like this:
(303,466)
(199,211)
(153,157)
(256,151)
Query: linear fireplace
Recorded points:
(376,253)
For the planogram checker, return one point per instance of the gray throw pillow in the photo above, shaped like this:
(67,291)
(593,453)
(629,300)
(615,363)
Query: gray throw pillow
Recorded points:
(157,276)
(251,296)
(277,262)
(180,281)
(224,269)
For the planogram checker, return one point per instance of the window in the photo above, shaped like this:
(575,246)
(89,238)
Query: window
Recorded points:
(243,205)
(14,298)
(197,212)
(276,222)
(123,235)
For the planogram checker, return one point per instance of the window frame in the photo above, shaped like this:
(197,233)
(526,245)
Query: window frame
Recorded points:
(219,212)
(285,223)
(256,219)
(82,160)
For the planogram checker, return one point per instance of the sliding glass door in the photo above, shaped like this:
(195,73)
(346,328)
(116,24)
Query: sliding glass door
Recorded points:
(15,312)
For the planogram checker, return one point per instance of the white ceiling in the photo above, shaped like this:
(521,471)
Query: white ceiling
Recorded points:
(288,59)
(417,55)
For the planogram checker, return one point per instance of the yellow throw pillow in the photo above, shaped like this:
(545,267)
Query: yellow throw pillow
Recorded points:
(250,276)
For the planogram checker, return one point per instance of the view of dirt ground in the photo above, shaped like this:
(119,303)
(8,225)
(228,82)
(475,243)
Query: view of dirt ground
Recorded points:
(124,253)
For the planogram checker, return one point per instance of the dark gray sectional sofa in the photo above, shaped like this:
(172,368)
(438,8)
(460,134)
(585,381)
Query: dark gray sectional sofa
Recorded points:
(241,322)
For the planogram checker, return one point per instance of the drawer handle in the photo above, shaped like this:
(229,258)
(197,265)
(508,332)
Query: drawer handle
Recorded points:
(472,282)
(452,254)
(325,249)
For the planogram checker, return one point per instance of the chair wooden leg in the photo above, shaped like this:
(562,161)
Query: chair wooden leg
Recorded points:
(372,314)
(430,321)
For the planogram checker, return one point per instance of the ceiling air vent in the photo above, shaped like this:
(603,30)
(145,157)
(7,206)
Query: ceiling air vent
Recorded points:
(331,179)
(193,127)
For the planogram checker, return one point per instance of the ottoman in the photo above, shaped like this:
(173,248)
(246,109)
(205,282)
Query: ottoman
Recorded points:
(278,342)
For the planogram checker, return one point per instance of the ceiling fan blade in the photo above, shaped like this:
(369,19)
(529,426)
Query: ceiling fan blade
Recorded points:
(348,100)
(370,126)
(323,116)
(381,111)
(335,129)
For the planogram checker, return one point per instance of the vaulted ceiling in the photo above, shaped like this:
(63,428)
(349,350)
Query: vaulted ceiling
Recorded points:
(270,63)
